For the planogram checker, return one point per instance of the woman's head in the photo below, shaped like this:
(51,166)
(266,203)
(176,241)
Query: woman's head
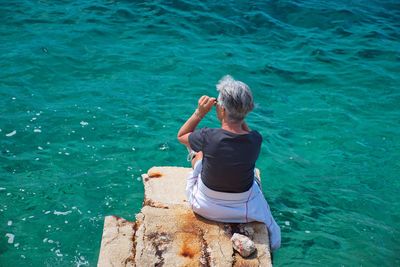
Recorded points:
(235,97)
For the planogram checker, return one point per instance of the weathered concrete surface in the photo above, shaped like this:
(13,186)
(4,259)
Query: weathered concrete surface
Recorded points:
(170,234)
(176,237)
(117,244)
(167,189)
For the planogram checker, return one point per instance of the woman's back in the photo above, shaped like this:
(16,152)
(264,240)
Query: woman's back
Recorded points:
(228,158)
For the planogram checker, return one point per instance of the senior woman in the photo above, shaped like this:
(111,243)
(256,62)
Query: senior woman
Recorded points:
(222,185)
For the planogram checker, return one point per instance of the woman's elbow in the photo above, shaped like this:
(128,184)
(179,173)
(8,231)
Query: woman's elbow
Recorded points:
(183,139)
(180,138)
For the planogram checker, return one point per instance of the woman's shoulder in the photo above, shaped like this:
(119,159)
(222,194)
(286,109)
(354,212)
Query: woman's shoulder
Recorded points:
(256,135)
(219,131)
(210,130)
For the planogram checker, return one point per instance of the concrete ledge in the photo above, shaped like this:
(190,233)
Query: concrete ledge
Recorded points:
(168,233)
(117,243)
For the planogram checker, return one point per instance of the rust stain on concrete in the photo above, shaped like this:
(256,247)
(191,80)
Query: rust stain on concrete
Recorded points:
(154,174)
(194,245)
(154,204)
(189,249)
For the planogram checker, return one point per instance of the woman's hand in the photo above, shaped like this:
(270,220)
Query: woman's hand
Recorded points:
(205,104)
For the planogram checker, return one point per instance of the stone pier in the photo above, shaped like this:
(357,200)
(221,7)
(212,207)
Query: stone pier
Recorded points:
(168,233)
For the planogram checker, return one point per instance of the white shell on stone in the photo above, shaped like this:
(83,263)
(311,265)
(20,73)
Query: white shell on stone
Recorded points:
(242,244)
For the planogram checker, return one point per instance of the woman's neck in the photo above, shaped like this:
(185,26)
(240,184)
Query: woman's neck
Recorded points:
(235,127)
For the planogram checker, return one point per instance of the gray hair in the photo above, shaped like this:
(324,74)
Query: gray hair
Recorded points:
(236,97)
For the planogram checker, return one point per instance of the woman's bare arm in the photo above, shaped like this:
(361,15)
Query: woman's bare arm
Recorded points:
(205,104)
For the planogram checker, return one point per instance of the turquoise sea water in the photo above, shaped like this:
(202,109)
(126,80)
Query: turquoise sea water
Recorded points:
(92,94)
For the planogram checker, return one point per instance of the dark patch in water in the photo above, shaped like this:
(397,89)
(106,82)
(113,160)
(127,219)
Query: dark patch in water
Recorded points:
(339,51)
(299,77)
(98,32)
(185,5)
(285,133)
(228,54)
(267,112)
(318,52)
(91,20)
(342,32)
(268,69)
(263,83)
(306,245)
(374,35)
(68,21)
(125,14)
(287,201)
(327,243)
(315,213)
(97,8)
(322,55)
(369,53)
(35,21)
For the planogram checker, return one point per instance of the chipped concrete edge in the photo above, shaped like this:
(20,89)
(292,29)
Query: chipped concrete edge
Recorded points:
(118,242)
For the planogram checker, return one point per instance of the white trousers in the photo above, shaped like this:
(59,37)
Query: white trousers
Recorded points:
(243,207)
